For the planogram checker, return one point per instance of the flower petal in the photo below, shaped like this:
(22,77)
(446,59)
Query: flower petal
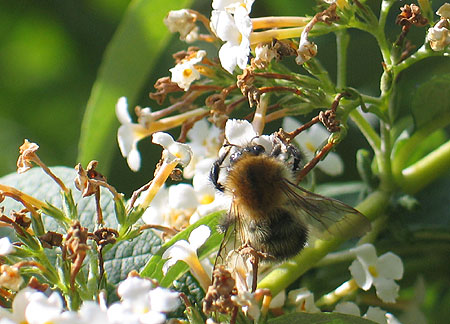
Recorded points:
(199,236)
(163,139)
(5,246)
(182,196)
(390,266)
(164,300)
(349,308)
(361,275)
(366,253)
(239,132)
(376,314)
(332,164)
(122,111)
(134,160)
(387,289)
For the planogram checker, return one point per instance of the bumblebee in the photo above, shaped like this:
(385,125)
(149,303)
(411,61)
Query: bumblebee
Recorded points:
(269,212)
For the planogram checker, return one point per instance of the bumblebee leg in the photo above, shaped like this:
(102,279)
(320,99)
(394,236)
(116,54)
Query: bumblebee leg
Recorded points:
(214,176)
(311,164)
(215,170)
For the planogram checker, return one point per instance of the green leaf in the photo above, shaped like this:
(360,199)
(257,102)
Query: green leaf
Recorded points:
(319,318)
(154,267)
(431,99)
(125,256)
(39,185)
(129,58)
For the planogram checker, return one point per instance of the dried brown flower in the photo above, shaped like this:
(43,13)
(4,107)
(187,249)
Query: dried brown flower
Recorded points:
(27,156)
(218,297)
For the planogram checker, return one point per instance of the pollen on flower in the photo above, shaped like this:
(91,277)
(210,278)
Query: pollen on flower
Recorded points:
(187,73)
(206,199)
(373,271)
(310,146)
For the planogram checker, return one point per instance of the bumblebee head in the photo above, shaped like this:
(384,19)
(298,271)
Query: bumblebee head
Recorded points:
(253,150)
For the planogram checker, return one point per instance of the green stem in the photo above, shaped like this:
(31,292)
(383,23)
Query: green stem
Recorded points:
(422,53)
(384,158)
(380,34)
(367,130)
(342,41)
(314,67)
(370,99)
(287,273)
(401,157)
(426,170)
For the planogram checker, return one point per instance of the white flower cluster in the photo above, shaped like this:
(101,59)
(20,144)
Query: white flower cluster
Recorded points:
(140,303)
(181,204)
(230,21)
(439,35)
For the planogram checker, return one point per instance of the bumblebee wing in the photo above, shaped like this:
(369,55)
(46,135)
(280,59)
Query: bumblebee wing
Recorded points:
(326,217)
(231,226)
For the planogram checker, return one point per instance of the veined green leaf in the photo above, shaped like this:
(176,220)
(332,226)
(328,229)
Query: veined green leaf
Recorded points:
(127,62)
(322,318)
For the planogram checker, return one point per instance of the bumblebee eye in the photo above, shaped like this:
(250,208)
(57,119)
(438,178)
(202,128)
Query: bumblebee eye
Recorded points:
(256,150)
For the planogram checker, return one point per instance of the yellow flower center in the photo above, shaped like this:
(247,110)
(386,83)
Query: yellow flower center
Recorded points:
(206,199)
(373,271)
(187,73)
(310,146)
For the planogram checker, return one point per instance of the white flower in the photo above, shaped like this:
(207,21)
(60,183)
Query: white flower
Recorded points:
(368,270)
(263,55)
(184,73)
(306,50)
(439,35)
(163,300)
(5,246)
(278,301)
(19,305)
(310,142)
(92,312)
(173,151)
(42,309)
(231,5)
(204,142)
(303,299)
(444,11)
(234,27)
(129,133)
(375,314)
(241,133)
(187,251)
(182,21)
(140,303)
(248,303)
(172,207)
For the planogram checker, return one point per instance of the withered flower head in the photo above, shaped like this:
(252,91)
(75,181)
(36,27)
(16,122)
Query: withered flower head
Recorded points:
(163,87)
(10,277)
(51,239)
(411,15)
(35,284)
(27,155)
(21,218)
(83,180)
(218,297)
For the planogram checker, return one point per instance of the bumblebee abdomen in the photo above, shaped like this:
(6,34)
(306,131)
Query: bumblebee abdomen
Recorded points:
(279,234)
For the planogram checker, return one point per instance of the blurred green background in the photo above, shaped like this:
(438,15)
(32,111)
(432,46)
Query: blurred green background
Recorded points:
(51,51)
